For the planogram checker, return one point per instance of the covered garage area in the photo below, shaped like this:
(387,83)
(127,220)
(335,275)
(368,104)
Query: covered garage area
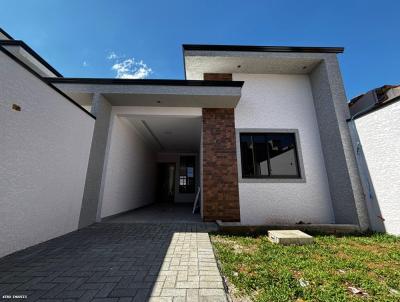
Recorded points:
(152,165)
(146,155)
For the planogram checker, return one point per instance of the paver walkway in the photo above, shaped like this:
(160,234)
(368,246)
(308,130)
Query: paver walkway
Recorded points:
(118,262)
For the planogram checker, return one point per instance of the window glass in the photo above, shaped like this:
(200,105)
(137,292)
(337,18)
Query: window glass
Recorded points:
(186,174)
(282,154)
(269,155)
(260,155)
(246,149)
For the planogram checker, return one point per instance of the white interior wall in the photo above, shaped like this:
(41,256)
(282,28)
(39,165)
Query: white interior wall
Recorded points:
(379,134)
(44,152)
(273,101)
(130,172)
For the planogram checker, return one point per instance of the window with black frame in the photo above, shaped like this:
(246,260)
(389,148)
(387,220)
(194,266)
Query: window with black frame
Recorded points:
(186,174)
(269,155)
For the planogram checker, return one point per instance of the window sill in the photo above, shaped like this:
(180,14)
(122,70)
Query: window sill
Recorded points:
(272,180)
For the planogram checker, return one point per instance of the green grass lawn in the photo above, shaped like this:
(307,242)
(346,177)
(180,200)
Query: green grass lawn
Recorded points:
(257,270)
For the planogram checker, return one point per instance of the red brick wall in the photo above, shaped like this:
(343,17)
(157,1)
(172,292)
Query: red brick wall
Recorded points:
(217,76)
(220,175)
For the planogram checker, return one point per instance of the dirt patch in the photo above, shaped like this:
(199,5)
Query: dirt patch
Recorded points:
(234,293)
(375,249)
(342,255)
(237,247)
(222,240)
(248,249)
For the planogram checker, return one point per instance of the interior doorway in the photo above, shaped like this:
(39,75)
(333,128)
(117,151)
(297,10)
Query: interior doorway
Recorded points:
(165,190)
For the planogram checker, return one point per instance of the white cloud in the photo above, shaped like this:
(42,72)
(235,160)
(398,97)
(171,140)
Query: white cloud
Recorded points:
(112,55)
(129,68)
(85,64)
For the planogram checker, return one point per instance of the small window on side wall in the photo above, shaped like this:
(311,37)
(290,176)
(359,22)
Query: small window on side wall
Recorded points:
(269,155)
(187,174)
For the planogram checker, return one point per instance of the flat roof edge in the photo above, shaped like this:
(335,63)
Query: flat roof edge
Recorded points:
(6,34)
(161,82)
(29,69)
(250,48)
(32,53)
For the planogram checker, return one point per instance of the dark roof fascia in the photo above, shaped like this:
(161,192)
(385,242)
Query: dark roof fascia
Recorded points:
(184,62)
(375,108)
(6,34)
(249,48)
(18,61)
(32,53)
(160,82)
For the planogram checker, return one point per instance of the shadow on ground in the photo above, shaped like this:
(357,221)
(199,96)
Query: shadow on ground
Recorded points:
(117,262)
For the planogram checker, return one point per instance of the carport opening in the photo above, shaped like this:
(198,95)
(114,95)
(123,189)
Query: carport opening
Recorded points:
(153,170)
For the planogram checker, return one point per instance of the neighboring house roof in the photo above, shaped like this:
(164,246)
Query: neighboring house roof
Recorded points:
(204,47)
(374,99)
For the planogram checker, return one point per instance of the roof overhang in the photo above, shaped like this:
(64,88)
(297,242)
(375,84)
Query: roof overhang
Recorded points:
(28,56)
(5,35)
(160,93)
(200,59)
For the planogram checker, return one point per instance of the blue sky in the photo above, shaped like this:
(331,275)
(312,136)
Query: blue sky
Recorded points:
(87,38)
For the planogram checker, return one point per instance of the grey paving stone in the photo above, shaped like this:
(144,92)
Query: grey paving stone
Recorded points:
(125,299)
(92,286)
(141,295)
(77,283)
(55,290)
(123,292)
(106,289)
(118,262)
(65,294)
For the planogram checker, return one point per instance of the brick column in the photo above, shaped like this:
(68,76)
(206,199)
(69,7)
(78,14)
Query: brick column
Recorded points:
(220,175)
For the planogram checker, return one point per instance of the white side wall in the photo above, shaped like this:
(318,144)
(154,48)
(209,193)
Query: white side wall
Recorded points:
(273,101)
(379,134)
(129,180)
(44,152)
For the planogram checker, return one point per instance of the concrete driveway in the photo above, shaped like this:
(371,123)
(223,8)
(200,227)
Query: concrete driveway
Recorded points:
(118,262)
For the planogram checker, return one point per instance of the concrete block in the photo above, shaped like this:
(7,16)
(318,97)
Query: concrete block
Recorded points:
(289,237)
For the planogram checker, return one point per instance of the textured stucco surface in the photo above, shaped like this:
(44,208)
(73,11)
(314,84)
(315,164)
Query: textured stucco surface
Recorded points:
(90,203)
(284,102)
(199,62)
(44,152)
(29,60)
(332,112)
(379,135)
(129,179)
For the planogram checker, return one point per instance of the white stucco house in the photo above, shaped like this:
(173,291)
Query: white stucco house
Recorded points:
(259,131)
(375,129)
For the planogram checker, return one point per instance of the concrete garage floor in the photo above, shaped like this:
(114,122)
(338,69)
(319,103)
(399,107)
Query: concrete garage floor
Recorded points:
(158,212)
(118,262)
